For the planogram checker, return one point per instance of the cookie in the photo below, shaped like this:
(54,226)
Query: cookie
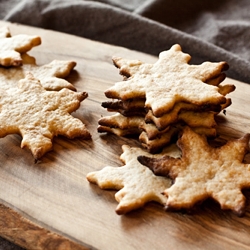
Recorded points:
(158,143)
(131,104)
(119,131)
(139,104)
(11,48)
(136,183)
(205,172)
(4,32)
(39,115)
(155,101)
(134,65)
(191,118)
(168,81)
(51,75)
(120,121)
(131,123)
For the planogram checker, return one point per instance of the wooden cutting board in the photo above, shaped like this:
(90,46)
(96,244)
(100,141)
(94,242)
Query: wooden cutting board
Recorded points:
(51,205)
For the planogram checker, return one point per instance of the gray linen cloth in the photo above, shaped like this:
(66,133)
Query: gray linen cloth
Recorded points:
(208,30)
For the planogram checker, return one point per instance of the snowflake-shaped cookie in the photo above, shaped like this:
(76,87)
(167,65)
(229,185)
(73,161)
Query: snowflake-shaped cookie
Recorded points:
(136,183)
(11,48)
(204,171)
(168,81)
(50,75)
(39,115)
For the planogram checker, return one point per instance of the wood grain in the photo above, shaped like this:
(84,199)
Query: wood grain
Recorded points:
(51,205)
(23,232)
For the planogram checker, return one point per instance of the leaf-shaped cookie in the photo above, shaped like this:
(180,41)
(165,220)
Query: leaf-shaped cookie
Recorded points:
(39,115)
(11,48)
(204,171)
(50,75)
(168,81)
(137,184)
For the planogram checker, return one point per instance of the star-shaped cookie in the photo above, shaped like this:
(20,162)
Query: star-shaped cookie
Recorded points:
(136,183)
(168,81)
(11,48)
(50,75)
(39,115)
(204,171)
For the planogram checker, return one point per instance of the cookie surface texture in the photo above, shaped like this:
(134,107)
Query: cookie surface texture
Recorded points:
(51,75)
(39,115)
(168,81)
(136,183)
(11,47)
(205,172)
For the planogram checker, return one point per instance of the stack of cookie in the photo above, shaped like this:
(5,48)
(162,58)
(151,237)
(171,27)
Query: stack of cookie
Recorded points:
(155,101)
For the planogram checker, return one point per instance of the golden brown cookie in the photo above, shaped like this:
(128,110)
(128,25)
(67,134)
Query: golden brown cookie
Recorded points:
(168,81)
(156,144)
(205,172)
(50,75)
(138,104)
(191,118)
(136,183)
(119,131)
(39,115)
(132,125)
(11,48)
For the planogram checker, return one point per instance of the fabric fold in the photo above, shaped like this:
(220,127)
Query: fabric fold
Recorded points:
(103,22)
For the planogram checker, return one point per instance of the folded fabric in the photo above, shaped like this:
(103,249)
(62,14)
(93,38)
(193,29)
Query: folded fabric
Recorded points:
(208,30)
